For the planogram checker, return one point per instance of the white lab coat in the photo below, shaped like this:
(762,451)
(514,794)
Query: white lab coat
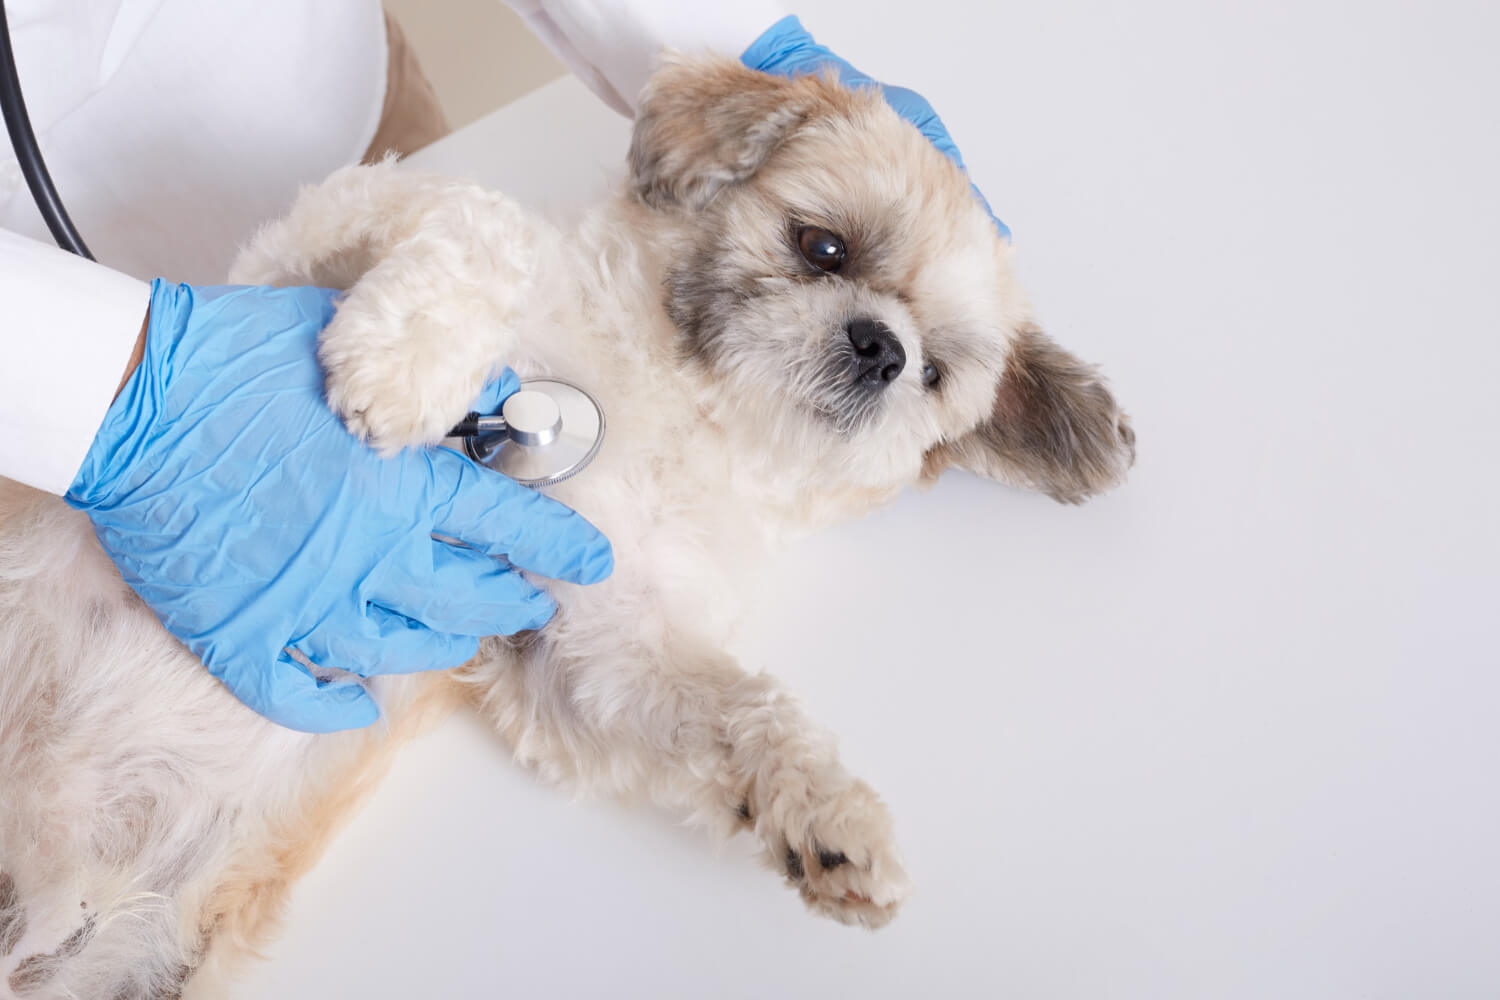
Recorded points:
(173,128)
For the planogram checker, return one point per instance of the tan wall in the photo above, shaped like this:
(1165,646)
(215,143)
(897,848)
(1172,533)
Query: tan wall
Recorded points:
(477,53)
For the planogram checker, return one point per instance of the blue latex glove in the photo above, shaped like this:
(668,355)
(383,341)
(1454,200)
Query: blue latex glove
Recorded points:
(786,49)
(240,509)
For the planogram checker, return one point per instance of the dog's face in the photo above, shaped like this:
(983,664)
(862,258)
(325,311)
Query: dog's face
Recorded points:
(848,298)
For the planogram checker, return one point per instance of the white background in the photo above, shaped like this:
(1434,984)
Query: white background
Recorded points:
(1228,732)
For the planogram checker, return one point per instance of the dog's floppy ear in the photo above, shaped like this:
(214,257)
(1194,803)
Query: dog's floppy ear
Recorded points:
(707,123)
(1055,427)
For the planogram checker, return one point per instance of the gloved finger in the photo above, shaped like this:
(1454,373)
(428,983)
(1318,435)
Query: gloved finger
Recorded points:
(388,643)
(787,49)
(915,108)
(288,694)
(500,388)
(467,593)
(498,516)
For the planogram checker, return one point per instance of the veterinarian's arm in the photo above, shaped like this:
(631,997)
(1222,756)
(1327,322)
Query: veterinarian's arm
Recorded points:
(612,45)
(70,325)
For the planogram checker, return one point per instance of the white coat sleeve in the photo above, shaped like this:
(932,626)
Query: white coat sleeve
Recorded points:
(612,45)
(68,332)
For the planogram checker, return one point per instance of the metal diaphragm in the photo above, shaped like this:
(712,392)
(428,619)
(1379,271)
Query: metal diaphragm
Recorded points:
(550,429)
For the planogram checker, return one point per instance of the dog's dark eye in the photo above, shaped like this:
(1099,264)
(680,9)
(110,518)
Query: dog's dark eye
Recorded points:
(931,376)
(822,249)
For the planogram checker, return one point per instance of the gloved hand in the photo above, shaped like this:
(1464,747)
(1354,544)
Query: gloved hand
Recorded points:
(786,49)
(240,509)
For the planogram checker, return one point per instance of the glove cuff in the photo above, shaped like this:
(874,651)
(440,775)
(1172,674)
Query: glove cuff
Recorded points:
(126,432)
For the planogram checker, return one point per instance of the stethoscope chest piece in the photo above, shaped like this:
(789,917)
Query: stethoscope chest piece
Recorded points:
(547,431)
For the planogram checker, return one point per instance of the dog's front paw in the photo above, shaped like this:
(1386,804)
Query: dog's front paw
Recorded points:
(394,389)
(832,839)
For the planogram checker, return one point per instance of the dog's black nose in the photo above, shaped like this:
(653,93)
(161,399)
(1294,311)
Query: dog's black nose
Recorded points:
(879,356)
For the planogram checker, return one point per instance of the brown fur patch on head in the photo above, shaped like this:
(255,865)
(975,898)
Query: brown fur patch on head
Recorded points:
(1055,427)
(704,124)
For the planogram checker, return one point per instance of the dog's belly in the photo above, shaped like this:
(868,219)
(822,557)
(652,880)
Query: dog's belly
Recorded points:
(130,780)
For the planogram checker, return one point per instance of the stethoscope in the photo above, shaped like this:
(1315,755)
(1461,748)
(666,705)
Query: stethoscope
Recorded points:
(546,432)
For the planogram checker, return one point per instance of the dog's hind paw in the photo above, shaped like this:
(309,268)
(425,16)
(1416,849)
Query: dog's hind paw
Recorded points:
(837,850)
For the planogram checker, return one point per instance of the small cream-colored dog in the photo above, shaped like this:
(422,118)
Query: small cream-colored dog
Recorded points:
(793,309)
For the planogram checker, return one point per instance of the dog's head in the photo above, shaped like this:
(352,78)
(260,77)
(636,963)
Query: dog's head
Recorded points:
(847,298)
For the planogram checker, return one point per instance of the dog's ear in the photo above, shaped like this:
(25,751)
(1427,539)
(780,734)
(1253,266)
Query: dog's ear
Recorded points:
(1055,427)
(705,124)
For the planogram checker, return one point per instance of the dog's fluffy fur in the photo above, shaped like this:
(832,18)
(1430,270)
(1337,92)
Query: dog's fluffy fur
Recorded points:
(150,825)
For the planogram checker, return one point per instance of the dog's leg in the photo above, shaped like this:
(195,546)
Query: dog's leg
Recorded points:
(688,727)
(338,229)
(438,273)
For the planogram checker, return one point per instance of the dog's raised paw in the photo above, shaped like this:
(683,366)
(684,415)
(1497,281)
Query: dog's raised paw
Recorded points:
(393,392)
(837,850)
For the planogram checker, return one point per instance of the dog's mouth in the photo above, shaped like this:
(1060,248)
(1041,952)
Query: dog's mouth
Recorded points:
(847,389)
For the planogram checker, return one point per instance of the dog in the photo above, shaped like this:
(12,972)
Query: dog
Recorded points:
(793,308)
